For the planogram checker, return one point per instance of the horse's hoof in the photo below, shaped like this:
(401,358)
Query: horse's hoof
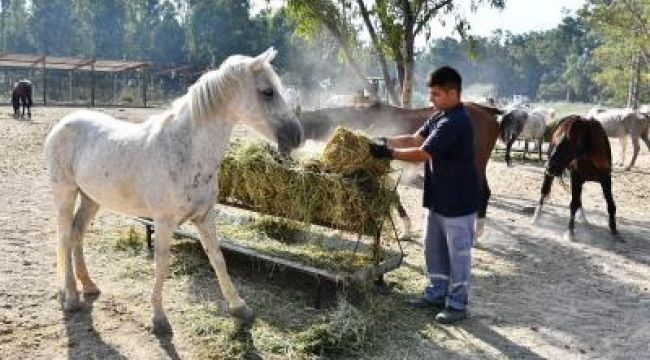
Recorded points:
(570,235)
(90,289)
(242,313)
(161,326)
(72,304)
(535,219)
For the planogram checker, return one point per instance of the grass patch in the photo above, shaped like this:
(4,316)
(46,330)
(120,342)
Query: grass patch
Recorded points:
(129,239)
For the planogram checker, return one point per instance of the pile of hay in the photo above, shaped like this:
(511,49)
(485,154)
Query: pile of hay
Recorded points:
(346,189)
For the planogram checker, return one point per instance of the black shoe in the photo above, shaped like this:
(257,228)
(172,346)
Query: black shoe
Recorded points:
(423,303)
(451,316)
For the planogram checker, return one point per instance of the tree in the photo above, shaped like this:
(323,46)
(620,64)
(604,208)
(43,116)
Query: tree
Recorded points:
(51,21)
(624,26)
(217,28)
(393,26)
(107,19)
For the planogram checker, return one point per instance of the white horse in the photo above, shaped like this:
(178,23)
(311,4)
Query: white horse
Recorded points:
(622,123)
(523,123)
(165,168)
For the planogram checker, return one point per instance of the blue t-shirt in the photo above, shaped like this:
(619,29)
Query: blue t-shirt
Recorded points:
(450,180)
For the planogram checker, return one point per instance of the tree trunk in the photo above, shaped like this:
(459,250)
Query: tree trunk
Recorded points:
(409,61)
(380,54)
(636,84)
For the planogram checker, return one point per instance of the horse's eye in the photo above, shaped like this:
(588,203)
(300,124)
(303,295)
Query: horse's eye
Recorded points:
(268,94)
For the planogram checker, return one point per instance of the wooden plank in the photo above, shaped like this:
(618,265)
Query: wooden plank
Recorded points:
(360,277)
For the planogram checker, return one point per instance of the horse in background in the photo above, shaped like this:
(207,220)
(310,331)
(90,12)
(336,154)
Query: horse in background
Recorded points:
(621,123)
(22,95)
(164,168)
(582,147)
(522,123)
(387,120)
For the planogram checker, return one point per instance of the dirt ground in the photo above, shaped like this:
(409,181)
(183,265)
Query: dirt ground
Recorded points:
(534,294)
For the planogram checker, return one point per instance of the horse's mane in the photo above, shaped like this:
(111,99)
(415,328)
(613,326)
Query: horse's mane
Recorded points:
(214,88)
(598,149)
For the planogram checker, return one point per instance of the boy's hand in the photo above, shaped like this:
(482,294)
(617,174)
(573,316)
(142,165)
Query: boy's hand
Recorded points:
(381,151)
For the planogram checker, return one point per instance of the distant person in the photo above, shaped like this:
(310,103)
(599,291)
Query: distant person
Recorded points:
(445,145)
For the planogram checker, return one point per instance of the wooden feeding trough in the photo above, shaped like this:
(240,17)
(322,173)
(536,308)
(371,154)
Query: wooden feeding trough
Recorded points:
(359,205)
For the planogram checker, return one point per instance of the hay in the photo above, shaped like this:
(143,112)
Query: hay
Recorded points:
(346,190)
(348,152)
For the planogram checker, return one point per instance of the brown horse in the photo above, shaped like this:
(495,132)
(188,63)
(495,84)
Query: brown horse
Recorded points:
(390,120)
(22,95)
(581,145)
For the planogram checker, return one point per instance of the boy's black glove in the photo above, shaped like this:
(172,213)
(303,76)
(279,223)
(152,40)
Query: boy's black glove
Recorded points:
(381,151)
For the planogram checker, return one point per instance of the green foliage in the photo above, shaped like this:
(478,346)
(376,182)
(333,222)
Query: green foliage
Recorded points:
(623,27)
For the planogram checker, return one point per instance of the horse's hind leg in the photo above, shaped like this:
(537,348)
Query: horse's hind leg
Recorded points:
(484,198)
(65,197)
(84,215)
(576,203)
(635,147)
(164,230)
(644,137)
(236,306)
(623,142)
(606,184)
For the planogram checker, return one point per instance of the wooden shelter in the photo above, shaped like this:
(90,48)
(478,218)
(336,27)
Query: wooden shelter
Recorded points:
(44,63)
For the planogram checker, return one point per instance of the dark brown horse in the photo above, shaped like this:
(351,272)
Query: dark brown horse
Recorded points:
(389,121)
(22,95)
(582,147)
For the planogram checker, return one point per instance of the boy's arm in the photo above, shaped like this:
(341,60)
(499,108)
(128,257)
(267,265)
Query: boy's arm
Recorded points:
(411,154)
(405,141)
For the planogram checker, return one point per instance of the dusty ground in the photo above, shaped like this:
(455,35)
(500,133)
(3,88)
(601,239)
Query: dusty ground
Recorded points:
(534,294)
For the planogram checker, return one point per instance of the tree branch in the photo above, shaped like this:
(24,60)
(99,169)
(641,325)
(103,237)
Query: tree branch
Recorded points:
(420,24)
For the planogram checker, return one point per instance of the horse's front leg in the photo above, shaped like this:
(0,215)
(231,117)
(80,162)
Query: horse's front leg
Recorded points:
(525,151)
(606,184)
(540,141)
(576,203)
(236,306)
(546,189)
(508,148)
(164,229)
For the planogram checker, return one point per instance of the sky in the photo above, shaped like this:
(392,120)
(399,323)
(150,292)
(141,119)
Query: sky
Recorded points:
(519,16)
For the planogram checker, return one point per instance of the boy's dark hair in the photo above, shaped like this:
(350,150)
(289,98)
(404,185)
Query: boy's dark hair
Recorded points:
(446,77)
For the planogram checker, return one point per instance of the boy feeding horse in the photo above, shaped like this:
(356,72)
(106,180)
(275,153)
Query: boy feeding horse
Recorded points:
(445,144)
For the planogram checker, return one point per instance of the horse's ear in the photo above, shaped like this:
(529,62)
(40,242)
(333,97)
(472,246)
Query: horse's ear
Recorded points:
(263,58)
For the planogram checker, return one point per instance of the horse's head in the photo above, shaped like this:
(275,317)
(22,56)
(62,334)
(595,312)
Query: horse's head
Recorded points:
(260,103)
(577,137)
